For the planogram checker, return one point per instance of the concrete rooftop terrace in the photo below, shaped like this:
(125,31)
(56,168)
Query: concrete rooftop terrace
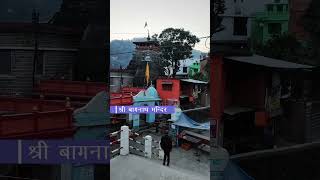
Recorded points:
(183,164)
(133,167)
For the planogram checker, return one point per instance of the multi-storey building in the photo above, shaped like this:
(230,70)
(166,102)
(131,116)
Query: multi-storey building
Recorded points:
(270,22)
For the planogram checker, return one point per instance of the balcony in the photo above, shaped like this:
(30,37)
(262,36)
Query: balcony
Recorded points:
(74,89)
(50,124)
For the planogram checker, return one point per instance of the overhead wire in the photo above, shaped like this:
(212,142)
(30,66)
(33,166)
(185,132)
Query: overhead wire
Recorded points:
(18,178)
(129,52)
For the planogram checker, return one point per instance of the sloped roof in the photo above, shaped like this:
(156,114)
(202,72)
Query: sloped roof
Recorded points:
(185,121)
(150,94)
(98,104)
(267,62)
(151,91)
(194,81)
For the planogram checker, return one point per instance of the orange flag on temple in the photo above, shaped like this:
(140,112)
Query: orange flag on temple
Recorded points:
(147,74)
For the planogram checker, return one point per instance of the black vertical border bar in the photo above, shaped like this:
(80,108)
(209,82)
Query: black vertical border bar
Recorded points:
(103,20)
(212,22)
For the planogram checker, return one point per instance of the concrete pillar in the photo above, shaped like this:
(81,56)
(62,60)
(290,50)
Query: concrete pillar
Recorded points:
(124,140)
(148,146)
(217,89)
(161,153)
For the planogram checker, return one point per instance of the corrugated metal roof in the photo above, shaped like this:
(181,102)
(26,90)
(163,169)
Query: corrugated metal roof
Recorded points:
(194,81)
(233,110)
(268,62)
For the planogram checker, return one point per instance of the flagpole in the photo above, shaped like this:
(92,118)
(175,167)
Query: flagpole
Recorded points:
(147,73)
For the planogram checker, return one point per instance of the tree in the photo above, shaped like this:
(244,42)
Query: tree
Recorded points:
(175,45)
(199,76)
(285,47)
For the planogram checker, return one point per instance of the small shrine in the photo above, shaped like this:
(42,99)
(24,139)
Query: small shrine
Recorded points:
(148,97)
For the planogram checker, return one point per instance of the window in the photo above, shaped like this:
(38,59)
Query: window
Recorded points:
(279,8)
(167,87)
(274,28)
(270,8)
(185,69)
(240,26)
(40,64)
(286,7)
(5,57)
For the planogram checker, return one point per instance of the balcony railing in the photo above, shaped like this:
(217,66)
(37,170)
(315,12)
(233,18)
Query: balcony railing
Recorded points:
(65,88)
(24,105)
(37,124)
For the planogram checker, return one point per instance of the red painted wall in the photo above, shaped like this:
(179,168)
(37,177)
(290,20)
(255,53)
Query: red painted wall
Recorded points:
(68,88)
(24,105)
(173,94)
(217,90)
(121,101)
(45,124)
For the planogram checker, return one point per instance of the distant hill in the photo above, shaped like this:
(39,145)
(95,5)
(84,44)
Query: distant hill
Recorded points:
(197,53)
(121,53)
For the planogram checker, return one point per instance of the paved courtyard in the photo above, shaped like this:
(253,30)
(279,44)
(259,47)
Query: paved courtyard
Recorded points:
(182,163)
(133,167)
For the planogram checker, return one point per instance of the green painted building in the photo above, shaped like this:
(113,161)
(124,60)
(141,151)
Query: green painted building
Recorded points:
(194,68)
(273,21)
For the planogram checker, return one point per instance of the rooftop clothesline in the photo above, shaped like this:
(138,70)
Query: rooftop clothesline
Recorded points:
(127,52)
(19,178)
(202,37)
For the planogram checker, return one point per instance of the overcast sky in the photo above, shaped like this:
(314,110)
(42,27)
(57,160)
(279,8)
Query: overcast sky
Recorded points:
(129,16)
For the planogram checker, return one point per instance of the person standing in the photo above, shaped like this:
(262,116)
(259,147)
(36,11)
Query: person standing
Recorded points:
(166,146)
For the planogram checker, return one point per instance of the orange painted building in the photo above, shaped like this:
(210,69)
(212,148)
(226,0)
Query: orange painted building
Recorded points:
(169,89)
(179,90)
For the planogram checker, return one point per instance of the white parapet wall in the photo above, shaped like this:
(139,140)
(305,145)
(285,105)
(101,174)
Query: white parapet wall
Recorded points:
(124,140)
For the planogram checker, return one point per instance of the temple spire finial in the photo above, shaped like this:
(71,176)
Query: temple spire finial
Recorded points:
(148,36)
